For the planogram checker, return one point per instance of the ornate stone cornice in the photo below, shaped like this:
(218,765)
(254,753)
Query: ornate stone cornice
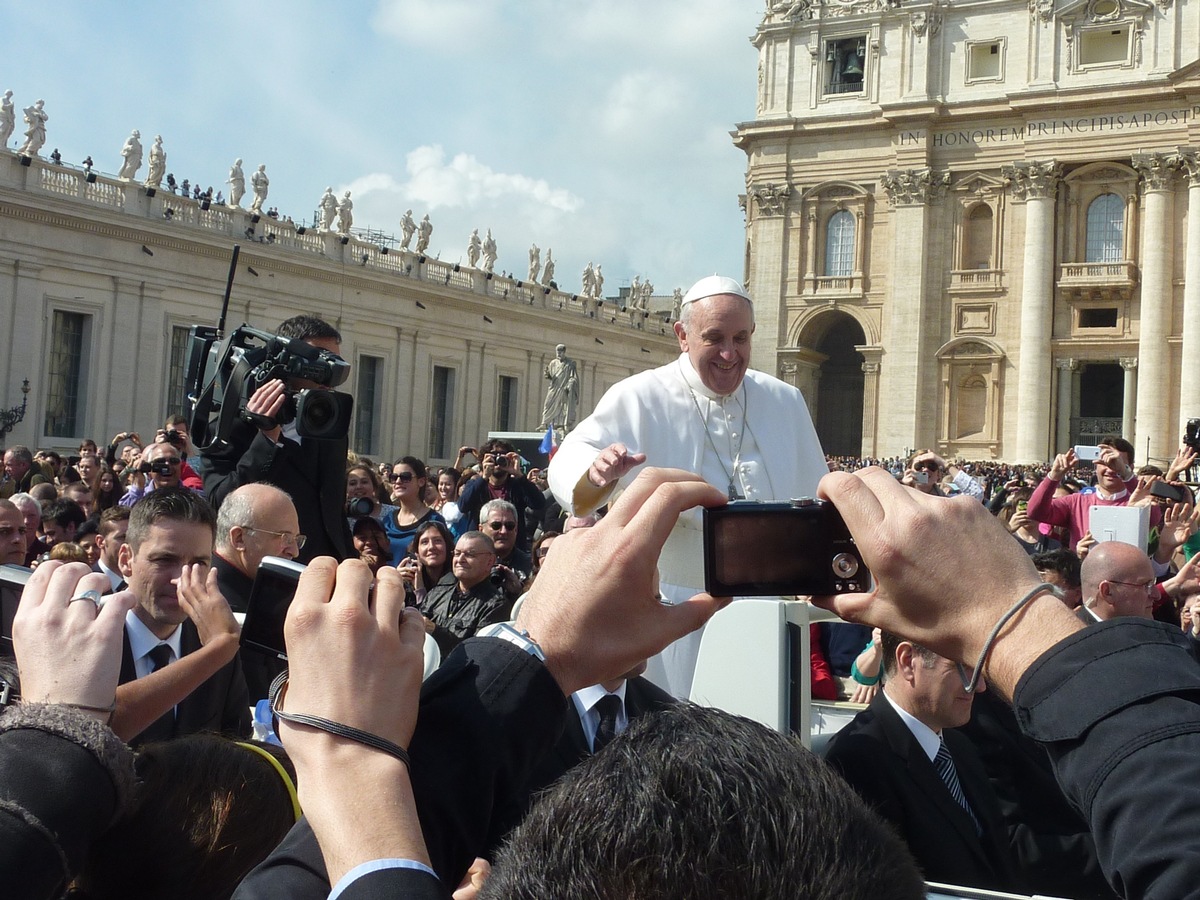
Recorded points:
(1033,180)
(912,187)
(771,199)
(1156,169)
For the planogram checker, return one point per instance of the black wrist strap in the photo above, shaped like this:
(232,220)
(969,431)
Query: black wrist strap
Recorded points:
(337,729)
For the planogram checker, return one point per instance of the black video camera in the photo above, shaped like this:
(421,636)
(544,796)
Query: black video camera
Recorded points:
(1191,435)
(222,377)
(158,467)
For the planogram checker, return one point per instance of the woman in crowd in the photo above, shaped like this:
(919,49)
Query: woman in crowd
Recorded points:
(446,502)
(429,561)
(363,482)
(107,491)
(1016,519)
(408,493)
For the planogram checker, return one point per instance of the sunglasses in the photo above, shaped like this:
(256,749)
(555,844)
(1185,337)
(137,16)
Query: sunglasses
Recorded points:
(928,466)
(406,477)
(502,526)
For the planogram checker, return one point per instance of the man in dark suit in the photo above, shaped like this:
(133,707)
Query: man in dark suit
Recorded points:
(312,472)
(904,758)
(180,671)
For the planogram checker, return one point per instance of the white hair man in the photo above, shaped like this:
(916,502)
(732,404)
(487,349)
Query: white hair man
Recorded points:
(709,413)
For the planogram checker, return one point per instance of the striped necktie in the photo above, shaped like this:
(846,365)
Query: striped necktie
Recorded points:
(944,763)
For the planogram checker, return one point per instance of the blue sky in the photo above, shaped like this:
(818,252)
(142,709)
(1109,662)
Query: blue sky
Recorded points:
(599,129)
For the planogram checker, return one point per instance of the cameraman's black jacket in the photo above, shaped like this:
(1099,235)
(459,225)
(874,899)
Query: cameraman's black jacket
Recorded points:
(313,473)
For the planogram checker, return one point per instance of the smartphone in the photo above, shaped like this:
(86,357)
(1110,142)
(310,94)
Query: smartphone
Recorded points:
(1022,505)
(921,477)
(1086,453)
(272,593)
(1173,492)
(768,549)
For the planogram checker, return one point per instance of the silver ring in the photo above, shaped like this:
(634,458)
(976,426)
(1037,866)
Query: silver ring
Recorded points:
(94,596)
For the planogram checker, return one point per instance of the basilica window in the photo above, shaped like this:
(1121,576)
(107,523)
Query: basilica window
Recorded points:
(839,244)
(977,238)
(1105,229)
(66,373)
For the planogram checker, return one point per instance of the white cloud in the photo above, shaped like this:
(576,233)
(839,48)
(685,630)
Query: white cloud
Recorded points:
(451,23)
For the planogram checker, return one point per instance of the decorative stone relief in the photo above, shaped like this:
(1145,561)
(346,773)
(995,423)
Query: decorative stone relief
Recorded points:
(1033,180)
(1156,169)
(911,187)
(770,198)
(1041,10)
(836,9)
(1189,165)
(924,21)
(1128,363)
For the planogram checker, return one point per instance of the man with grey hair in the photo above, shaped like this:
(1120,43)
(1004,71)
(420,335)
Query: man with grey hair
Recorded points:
(498,520)
(254,522)
(31,511)
(706,412)
(20,474)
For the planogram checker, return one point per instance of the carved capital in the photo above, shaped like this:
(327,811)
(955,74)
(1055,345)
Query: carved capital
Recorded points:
(1041,10)
(913,187)
(1189,165)
(1157,170)
(870,368)
(771,199)
(1066,365)
(1033,180)
(926,21)
(1128,363)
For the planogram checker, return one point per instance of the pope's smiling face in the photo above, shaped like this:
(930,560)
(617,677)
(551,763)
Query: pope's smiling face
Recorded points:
(715,334)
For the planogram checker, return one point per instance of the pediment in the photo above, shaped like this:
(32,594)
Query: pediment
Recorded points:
(1100,11)
(978,183)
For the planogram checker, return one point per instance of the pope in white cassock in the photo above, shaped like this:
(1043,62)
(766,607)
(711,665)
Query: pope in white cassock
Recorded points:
(744,431)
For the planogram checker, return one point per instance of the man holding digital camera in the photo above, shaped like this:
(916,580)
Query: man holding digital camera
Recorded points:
(261,449)
(160,466)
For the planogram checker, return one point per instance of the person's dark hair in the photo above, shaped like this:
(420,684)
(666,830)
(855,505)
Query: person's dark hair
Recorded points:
(413,463)
(696,803)
(69,475)
(208,811)
(428,577)
(1065,562)
(102,499)
(537,560)
(175,421)
(1119,444)
(52,455)
(496,445)
(372,476)
(1150,469)
(890,642)
(364,524)
(172,504)
(63,513)
(305,328)
(110,516)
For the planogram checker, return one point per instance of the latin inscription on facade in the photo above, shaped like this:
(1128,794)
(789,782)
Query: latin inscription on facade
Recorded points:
(1130,122)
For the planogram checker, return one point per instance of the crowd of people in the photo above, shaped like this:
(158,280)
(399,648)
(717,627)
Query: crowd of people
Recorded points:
(145,751)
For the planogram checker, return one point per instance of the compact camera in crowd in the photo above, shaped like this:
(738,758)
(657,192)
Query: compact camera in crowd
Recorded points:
(222,376)
(768,549)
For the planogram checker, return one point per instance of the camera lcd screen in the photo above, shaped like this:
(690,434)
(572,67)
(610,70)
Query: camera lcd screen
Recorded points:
(266,610)
(777,549)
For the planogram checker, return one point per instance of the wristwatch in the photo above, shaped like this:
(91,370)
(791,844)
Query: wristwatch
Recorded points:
(506,632)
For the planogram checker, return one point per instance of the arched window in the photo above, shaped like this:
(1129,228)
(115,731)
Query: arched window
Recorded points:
(977,238)
(839,245)
(1106,229)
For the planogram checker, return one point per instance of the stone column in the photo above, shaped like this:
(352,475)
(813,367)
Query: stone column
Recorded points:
(1036,183)
(913,325)
(1154,389)
(1128,407)
(768,271)
(1189,388)
(1066,376)
(870,402)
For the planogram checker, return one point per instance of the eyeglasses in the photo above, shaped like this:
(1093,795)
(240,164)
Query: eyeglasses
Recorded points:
(288,537)
(404,476)
(502,526)
(928,465)
(1151,588)
(469,554)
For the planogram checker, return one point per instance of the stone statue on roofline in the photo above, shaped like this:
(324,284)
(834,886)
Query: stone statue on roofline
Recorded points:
(237,183)
(158,163)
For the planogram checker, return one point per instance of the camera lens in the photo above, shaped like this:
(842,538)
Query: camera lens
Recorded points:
(845,565)
(358,507)
(319,412)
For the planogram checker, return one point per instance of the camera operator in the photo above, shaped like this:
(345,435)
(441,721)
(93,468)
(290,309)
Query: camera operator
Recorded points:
(312,472)
(159,466)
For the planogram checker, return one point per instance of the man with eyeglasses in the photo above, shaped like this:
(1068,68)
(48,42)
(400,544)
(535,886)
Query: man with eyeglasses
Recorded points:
(465,599)
(1117,580)
(160,467)
(254,522)
(499,519)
